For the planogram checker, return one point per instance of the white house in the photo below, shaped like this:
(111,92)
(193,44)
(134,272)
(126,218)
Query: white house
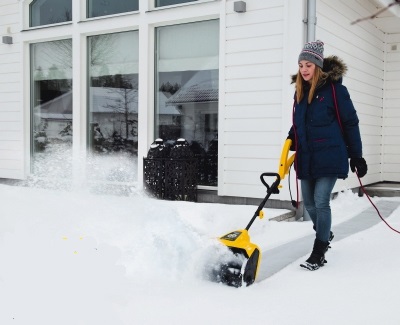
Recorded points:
(180,68)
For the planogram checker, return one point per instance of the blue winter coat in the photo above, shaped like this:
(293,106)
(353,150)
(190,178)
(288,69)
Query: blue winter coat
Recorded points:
(322,147)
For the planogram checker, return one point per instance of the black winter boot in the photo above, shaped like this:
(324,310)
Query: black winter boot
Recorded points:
(317,257)
(331,236)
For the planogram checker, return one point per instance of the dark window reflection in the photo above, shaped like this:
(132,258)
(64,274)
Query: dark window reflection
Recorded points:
(161,3)
(45,12)
(98,8)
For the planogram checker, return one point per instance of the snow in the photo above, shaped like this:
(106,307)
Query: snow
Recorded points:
(76,258)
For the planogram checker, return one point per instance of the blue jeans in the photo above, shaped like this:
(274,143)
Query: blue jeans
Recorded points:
(317,196)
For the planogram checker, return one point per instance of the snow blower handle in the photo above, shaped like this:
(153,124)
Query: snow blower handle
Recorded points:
(284,166)
(273,189)
(275,185)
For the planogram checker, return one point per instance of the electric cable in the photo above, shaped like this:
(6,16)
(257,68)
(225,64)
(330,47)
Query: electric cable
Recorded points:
(294,203)
(368,197)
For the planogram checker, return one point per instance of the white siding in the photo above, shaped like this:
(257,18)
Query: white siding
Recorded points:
(253,116)
(362,48)
(391,120)
(11,115)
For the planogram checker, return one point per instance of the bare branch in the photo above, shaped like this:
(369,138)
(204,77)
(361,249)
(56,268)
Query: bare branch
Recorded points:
(396,2)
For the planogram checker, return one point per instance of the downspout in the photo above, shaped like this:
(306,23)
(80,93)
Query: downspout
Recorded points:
(311,20)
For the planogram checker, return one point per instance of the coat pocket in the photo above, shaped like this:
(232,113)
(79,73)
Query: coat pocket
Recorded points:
(322,115)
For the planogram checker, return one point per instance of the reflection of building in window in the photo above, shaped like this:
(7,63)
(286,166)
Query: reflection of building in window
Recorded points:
(115,109)
(113,89)
(197,104)
(169,119)
(57,113)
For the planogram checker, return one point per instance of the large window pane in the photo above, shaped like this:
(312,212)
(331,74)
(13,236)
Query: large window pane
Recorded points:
(45,12)
(187,90)
(51,109)
(162,3)
(103,8)
(113,107)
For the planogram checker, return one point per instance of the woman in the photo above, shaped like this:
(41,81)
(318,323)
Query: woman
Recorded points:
(324,135)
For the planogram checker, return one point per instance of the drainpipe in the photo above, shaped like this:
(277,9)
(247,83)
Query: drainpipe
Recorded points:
(311,19)
(311,22)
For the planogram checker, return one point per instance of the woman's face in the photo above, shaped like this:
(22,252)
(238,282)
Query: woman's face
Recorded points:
(306,69)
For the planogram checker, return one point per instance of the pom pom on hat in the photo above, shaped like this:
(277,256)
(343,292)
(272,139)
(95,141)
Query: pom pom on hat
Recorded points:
(313,52)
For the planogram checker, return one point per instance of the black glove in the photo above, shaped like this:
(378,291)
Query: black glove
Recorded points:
(293,146)
(360,164)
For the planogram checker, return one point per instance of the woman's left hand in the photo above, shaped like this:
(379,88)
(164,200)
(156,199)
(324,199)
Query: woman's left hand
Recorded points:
(360,165)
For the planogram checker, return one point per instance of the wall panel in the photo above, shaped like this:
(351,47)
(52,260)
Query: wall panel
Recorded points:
(362,48)
(391,119)
(253,94)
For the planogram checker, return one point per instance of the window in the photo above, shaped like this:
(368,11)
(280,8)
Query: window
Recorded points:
(51,108)
(98,8)
(45,12)
(162,3)
(187,90)
(113,106)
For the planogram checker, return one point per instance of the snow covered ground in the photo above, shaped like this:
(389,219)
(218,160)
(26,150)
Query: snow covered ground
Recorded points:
(73,258)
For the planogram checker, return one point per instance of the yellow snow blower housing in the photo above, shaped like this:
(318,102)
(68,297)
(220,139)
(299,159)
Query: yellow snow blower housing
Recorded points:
(244,267)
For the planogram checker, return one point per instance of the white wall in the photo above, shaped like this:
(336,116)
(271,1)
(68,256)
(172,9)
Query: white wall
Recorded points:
(362,47)
(257,105)
(11,114)
(391,119)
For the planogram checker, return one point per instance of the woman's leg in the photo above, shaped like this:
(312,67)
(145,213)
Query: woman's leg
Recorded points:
(308,190)
(317,196)
(322,196)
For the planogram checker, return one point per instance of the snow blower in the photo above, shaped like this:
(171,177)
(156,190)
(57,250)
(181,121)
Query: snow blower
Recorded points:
(243,266)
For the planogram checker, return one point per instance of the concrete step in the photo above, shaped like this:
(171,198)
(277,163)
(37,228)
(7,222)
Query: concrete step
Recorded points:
(383,189)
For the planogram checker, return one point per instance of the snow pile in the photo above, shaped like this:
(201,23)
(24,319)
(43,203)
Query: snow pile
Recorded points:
(75,258)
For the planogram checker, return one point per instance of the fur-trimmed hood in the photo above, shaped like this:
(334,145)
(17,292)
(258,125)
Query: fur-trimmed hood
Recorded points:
(334,69)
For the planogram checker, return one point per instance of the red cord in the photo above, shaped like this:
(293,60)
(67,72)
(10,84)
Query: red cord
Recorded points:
(363,189)
(336,107)
(295,158)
